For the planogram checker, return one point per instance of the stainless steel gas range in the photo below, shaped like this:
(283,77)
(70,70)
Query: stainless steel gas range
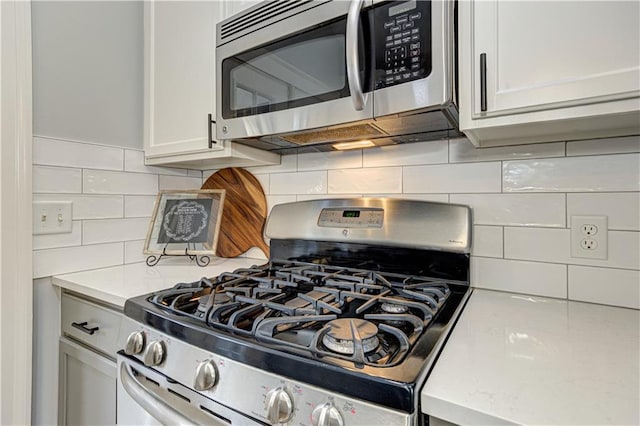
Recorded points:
(340,327)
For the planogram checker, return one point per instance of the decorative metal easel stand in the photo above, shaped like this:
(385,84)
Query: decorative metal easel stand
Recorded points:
(200,261)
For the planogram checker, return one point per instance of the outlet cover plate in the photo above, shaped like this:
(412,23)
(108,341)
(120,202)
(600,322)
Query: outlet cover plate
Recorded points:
(589,231)
(52,217)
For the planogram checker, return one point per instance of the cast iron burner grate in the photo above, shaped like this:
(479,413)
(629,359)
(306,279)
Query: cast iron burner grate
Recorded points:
(303,307)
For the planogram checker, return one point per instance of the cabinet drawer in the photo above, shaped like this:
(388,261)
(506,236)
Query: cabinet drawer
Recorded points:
(91,324)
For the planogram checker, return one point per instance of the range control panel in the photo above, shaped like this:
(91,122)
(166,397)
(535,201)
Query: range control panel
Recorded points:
(351,218)
(403,42)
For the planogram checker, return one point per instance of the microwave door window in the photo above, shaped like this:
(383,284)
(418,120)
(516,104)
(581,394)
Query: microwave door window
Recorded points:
(303,69)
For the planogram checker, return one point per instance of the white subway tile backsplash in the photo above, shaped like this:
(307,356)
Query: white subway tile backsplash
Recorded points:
(288,163)
(574,174)
(73,259)
(111,230)
(621,208)
(461,151)
(617,287)
(453,178)
(89,206)
(406,154)
(179,182)
(554,245)
(487,241)
(366,181)
(46,241)
(55,152)
(522,198)
(134,162)
(515,209)
(604,146)
(56,180)
(540,279)
(139,205)
(103,182)
(298,183)
(330,160)
(133,251)
(92,178)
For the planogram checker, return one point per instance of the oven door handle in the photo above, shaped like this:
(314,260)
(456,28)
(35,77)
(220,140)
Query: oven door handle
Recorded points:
(353,74)
(168,413)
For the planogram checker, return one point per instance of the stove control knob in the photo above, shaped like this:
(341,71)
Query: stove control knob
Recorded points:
(135,343)
(155,353)
(326,415)
(206,376)
(279,406)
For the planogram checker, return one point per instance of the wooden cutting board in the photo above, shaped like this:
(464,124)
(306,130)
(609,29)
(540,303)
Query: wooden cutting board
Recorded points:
(244,213)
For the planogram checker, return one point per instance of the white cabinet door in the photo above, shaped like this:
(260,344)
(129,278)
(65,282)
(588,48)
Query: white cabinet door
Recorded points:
(179,75)
(179,89)
(87,387)
(553,70)
(541,54)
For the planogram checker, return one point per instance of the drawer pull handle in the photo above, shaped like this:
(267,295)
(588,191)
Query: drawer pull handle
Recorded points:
(82,326)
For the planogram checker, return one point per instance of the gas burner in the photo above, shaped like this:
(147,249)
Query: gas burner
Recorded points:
(394,308)
(345,332)
(211,300)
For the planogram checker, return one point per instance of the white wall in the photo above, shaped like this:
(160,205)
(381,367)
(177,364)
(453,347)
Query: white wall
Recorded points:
(522,197)
(88,71)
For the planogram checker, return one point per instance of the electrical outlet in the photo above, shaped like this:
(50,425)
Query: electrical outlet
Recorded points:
(52,217)
(589,237)
(589,229)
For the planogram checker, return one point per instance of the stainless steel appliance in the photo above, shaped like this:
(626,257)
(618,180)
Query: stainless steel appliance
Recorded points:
(308,74)
(340,327)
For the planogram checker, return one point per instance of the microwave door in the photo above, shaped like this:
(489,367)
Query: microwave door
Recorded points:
(296,75)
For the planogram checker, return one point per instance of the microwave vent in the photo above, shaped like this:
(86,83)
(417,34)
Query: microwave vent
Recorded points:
(261,15)
(360,131)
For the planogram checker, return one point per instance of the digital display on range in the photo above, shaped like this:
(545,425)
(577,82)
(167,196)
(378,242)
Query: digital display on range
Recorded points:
(351,213)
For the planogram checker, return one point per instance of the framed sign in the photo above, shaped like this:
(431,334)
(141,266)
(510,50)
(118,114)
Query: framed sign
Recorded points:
(185,222)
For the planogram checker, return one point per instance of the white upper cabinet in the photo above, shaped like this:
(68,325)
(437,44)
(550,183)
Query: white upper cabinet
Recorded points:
(536,71)
(180,38)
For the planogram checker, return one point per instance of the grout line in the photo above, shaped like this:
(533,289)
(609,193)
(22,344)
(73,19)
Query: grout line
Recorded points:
(567,282)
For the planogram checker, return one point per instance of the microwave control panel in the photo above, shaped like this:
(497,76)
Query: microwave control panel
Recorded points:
(403,42)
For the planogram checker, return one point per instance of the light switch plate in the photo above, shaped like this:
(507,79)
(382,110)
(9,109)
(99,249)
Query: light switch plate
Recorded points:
(52,217)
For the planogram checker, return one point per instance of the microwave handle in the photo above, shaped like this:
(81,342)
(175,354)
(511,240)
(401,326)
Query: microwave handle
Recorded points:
(353,74)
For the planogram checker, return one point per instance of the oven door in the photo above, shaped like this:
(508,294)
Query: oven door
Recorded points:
(310,70)
(146,397)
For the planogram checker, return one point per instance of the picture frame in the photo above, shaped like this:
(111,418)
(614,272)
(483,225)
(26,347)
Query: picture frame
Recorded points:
(185,223)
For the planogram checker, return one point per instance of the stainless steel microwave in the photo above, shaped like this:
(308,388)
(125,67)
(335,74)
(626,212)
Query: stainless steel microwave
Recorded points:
(300,75)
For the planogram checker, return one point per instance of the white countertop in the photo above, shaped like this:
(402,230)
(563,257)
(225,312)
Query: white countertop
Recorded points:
(530,360)
(116,284)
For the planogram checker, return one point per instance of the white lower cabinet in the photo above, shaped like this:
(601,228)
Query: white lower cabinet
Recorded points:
(87,373)
(87,386)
